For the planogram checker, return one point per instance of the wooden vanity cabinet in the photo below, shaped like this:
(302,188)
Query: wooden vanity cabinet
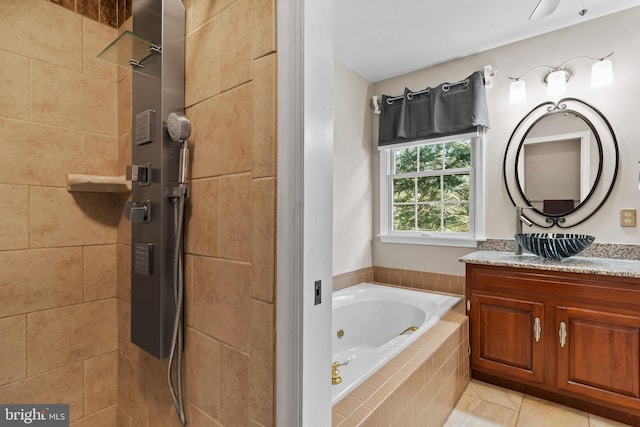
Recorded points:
(569,337)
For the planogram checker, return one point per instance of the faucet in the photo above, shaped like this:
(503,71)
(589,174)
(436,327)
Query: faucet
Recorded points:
(520,218)
(335,374)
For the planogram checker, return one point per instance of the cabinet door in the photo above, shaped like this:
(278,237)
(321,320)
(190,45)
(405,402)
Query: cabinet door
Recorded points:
(600,355)
(506,336)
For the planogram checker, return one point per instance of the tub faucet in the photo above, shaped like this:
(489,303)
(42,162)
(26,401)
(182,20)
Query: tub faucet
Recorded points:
(335,374)
(520,218)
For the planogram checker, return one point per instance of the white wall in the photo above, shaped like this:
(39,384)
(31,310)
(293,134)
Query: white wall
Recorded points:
(352,171)
(618,102)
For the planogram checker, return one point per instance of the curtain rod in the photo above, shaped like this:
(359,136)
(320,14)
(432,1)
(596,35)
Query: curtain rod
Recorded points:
(487,72)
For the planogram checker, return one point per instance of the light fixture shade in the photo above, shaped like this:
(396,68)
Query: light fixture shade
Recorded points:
(556,83)
(601,73)
(517,92)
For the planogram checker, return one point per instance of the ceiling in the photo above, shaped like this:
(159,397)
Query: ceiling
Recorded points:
(385,38)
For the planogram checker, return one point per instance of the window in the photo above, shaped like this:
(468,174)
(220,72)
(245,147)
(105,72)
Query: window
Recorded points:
(430,192)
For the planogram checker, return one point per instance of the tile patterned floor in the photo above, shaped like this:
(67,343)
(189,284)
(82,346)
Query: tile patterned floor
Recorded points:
(486,405)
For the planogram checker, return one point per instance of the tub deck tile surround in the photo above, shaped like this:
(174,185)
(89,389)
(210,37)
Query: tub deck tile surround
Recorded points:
(412,279)
(419,386)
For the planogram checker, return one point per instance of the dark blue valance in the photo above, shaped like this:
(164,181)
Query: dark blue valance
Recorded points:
(448,109)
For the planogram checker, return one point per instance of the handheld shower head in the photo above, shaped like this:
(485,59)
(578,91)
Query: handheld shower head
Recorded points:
(179,127)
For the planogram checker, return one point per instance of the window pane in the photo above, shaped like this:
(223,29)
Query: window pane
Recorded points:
(431,157)
(456,187)
(429,217)
(457,154)
(406,159)
(404,190)
(456,217)
(429,189)
(404,217)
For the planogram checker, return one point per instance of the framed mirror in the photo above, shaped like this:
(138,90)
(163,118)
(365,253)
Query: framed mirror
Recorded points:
(561,163)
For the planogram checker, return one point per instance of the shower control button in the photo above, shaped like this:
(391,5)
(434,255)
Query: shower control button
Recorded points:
(143,258)
(138,211)
(139,173)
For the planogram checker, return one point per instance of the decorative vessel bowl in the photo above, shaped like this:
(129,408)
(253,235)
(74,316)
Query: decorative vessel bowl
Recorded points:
(554,246)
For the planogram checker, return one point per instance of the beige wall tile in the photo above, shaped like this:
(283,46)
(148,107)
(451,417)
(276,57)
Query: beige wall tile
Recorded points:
(59,218)
(265,108)
(202,222)
(123,260)
(124,153)
(14,75)
(202,371)
(264,27)
(234,387)
(38,155)
(202,63)
(188,292)
(13,357)
(222,300)
(262,363)
(161,411)
(96,37)
(201,11)
(37,279)
(196,417)
(62,385)
(263,239)
(61,336)
(70,99)
(235,60)
(124,225)
(100,155)
(132,387)
(14,217)
(222,133)
(125,118)
(100,382)
(100,271)
(42,30)
(105,418)
(234,226)
(122,418)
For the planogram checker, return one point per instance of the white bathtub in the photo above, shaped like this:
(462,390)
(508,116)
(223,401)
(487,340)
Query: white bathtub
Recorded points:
(372,317)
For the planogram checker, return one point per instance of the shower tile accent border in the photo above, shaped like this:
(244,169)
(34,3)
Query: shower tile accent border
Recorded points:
(420,386)
(113,13)
(596,250)
(411,279)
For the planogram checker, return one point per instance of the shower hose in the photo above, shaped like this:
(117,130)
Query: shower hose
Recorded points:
(177,340)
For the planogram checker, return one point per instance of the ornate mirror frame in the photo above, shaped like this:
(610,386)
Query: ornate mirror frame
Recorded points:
(605,178)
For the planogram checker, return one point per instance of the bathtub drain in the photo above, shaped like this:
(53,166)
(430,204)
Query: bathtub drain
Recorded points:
(340,333)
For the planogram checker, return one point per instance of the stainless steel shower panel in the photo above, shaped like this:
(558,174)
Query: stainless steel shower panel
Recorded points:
(158,90)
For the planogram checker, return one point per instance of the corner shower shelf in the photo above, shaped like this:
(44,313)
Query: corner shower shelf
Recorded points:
(97,183)
(129,49)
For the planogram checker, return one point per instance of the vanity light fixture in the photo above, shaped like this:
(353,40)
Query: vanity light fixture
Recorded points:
(557,77)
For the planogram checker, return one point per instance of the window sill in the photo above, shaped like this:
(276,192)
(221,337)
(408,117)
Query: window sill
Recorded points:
(461,242)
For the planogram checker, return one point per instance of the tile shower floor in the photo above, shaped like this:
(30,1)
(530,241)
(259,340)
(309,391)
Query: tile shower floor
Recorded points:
(486,405)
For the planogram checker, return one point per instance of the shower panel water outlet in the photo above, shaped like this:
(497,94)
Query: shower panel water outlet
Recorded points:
(157,91)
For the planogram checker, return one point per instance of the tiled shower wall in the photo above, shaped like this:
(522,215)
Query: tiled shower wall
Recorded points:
(231,216)
(110,12)
(58,324)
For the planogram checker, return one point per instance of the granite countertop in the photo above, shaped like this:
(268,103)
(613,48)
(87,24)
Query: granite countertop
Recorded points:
(575,264)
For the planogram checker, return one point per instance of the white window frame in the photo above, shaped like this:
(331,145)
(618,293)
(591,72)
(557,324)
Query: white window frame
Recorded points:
(476,198)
